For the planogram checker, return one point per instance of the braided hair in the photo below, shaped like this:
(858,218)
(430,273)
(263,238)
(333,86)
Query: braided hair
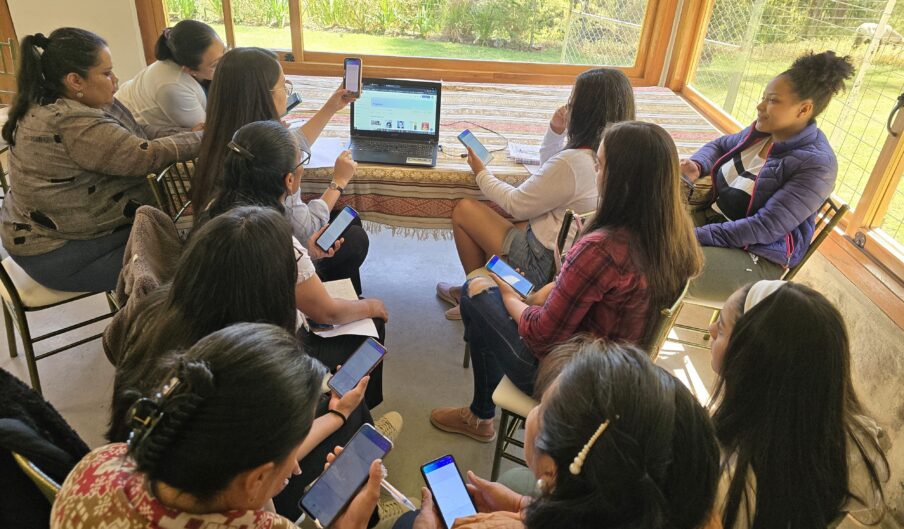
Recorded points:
(215,419)
(44,62)
(819,76)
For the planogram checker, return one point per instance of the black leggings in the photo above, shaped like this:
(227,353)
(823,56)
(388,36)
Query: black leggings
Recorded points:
(346,263)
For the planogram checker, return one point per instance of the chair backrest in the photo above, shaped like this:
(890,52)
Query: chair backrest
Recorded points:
(48,487)
(664,322)
(8,58)
(571,220)
(4,174)
(172,188)
(827,217)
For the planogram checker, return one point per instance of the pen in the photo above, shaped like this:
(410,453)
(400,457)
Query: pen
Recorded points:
(396,495)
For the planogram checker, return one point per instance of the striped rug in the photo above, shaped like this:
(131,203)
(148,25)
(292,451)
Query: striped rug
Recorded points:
(420,200)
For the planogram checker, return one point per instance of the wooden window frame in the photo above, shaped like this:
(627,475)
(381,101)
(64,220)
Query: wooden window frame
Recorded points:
(646,71)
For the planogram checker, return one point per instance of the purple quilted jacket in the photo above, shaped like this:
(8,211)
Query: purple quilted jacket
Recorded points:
(799,174)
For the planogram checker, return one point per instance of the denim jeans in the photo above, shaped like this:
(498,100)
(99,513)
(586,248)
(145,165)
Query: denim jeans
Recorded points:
(496,348)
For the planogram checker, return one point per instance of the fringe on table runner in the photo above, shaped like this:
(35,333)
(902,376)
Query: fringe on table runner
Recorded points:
(421,234)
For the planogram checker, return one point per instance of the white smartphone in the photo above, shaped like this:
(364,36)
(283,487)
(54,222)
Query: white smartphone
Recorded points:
(448,489)
(353,74)
(468,139)
(364,360)
(336,228)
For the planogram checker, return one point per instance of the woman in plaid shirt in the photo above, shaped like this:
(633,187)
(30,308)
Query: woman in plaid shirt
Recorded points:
(634,258)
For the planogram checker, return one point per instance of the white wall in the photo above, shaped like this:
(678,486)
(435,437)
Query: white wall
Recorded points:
(114,20)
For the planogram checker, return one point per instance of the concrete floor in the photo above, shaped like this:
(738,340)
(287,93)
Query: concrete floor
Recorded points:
(423,368)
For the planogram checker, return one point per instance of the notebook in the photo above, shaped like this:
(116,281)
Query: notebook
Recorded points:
(396,122)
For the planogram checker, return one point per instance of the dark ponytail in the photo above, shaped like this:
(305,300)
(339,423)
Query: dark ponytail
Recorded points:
(216,419)
(819,76)
(185,43)
(258,158)
(41,73)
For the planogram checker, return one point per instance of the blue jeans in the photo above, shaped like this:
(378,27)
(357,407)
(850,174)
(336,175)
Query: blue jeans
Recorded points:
(496,348)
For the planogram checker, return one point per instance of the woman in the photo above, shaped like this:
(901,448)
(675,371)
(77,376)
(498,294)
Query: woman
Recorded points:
(634,258)
(251,86)
(172,92)
(798,450)
(263,167)
(615,442)
(768,180)
(212,446)
(78,163)
(238,267)
(565,181)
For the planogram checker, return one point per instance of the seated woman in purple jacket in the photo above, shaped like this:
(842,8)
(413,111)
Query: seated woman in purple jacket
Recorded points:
(768,180)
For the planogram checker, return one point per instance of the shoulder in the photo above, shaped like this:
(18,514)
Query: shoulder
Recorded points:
(104,464)
(604,247)
(570,159)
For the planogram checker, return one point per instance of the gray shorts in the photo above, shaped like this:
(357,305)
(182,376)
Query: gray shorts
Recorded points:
(524,251)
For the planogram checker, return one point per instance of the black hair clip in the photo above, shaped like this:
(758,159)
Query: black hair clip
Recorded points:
(147,412)
(241,151)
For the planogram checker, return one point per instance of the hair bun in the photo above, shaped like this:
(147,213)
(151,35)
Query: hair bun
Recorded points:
(196,375)
(826,68)
(40,41)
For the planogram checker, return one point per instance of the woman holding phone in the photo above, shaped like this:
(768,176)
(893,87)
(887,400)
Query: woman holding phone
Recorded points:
(566,180)
(250,86)
(633,258)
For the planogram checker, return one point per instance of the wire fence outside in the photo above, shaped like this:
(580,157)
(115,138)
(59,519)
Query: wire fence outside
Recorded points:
(606,32)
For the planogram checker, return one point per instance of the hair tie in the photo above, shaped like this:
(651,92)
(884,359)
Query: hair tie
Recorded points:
(760,291)
(578,463)
(241,151)
(40,41)
(166,32)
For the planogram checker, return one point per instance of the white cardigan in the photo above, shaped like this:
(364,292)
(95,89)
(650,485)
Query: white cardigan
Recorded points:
(566,180)
(163,95)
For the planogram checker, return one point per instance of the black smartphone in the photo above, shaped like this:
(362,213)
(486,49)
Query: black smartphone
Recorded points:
(359,365)
(293,100)
(336,228)
(448,488)
(510,276)
(353,74)
(337,486)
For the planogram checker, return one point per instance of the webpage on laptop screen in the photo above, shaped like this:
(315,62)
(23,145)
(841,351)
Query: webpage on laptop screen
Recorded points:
(396,109)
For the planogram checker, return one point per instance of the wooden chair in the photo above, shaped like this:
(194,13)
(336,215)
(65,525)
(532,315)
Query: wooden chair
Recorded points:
(515,406)
(667,317)
(4,174)
(48,487)
(22,294)
(172,188)
(9,56)
(827,217)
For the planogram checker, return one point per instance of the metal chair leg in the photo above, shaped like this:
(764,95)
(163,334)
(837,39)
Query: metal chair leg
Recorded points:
(500,444)
(29,352)
(10,332)
(467,361)
(111,302)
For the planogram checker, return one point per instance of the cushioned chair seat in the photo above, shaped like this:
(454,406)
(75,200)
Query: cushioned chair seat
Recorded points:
(507,396)
(32,293)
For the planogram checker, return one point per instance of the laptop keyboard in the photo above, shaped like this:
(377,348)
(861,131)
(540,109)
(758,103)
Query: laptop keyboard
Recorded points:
(416,150)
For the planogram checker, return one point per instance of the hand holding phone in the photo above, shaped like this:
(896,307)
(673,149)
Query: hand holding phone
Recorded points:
(468,139)
(292,101)
(337,228)
(353,75)
(510,275)
(449,492)
(364,360)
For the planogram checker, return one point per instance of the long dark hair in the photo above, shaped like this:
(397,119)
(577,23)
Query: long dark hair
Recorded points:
(785,409)
(601,96)
(239,94)
(655,466)
(641,192)
(246,397)
(819,76)
(237,267)
(257,175)
(185,43)
(41,75)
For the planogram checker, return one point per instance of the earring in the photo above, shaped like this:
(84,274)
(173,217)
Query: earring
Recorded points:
(541,485)
(79,95)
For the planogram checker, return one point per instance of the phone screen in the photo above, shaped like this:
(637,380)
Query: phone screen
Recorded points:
(358,365)
(293,100)
(335,230)
(338,484)
(510,276)
(468,139)
(353,75)
(449,492)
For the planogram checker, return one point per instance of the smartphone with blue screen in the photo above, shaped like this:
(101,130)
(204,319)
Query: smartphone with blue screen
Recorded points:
(336,228)
(293,100)
(510,276)
(468,139)
(364,360)
(334,490)
(448,488)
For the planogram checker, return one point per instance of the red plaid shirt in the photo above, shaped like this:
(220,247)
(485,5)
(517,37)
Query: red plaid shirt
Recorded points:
(599,290)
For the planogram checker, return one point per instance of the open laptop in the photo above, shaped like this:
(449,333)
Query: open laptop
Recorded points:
(396,122)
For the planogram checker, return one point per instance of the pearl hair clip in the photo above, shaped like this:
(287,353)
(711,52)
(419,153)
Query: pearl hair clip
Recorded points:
(578,463)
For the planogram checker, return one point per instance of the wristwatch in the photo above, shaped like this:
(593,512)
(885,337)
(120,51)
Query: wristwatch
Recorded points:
(337,187)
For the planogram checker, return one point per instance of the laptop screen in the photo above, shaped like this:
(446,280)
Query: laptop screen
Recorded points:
(397,108)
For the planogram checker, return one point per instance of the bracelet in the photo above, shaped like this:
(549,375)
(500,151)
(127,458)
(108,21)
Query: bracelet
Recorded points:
(339,414)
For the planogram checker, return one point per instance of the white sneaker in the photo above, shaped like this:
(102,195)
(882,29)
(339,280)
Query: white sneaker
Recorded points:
(390,425)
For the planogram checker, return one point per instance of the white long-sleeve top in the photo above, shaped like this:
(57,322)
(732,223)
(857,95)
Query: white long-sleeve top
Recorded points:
(163,95)
(566,180)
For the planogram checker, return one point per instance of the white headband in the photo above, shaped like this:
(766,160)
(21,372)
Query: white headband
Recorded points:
(760,291)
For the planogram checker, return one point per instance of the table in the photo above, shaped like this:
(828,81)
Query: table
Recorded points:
(419,201)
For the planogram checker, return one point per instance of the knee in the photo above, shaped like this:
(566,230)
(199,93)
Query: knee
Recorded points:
(463,209)
(479,285)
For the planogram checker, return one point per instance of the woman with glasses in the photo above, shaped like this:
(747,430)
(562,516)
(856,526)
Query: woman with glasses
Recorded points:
(172,91)
(262,168)
(250,86)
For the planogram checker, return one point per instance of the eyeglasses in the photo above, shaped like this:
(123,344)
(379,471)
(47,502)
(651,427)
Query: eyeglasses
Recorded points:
(288,87)
(305,160)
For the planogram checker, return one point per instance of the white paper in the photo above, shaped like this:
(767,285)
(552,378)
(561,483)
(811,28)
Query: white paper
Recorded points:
(325,151)
(526,154)
(344,289)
